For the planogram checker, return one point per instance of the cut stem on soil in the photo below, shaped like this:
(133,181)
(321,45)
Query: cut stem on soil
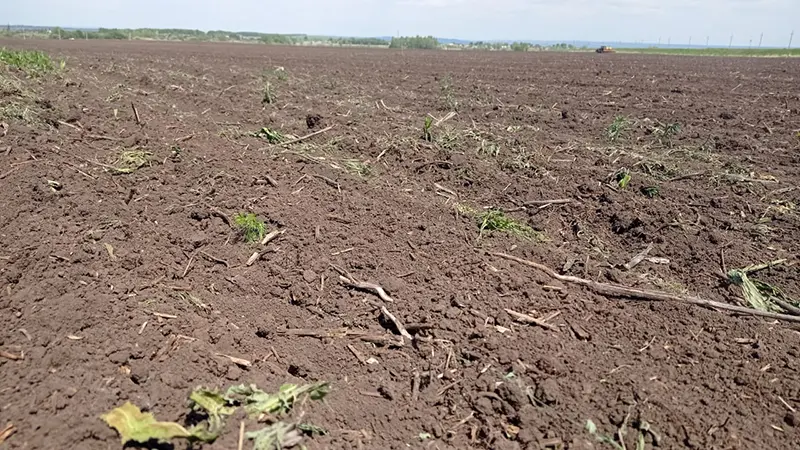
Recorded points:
(641,294)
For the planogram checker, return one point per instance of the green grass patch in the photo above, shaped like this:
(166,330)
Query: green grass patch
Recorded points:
(251,227)
(617,128)
(32,62)
(130,161)
(496,220)
(270,135)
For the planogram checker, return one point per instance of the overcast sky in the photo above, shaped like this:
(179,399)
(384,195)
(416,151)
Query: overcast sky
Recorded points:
(594,20)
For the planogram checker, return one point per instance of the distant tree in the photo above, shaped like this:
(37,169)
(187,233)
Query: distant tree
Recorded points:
(418,42)
(520,46)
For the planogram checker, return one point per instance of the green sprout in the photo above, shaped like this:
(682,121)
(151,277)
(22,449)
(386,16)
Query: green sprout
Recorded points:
(622,177)
(651,191)
(426,129)
(496,220)
(272,136)
(617,128)
(251,228)
(664,133)
(269,95)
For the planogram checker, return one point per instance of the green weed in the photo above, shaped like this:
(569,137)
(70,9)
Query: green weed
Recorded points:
(251,228)
(448,97)
(664,133)
(426,129)
(268,89)
(17,111)
(496,220)
(272,136)
(651,191)
(622,177)
(617,128)
(32,62)
(269,96)
(130,161)
(357,167)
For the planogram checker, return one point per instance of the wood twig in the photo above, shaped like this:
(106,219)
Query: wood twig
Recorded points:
(136,114)
(188,265)
(397,323)
(11,356)
(271,236)
(240,446)
(330,182)
(558,201)
(215,259)
(74,127)
(642,294)
(235,360)
(310,135)
(788,307)
(530,319)
(7,432)
(388,340)
(638,258)
(374,288)
(100,137)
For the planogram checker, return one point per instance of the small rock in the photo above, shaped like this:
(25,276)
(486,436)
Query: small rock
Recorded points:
(580,333)
(386,392)
(199,215)
(198,239)
(790,419)
(726,115)
(139,374)
(173,381)
(310,276)
(513,394)
(94,235)
(233,373)
(119,357)
(548,391)
(484,406)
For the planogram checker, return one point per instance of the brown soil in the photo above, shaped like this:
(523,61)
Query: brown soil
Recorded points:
(363,197)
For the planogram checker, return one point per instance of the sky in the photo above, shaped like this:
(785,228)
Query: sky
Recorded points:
(561,20)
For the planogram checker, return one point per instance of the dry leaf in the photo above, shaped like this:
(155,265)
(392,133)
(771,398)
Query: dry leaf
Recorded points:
(110,251)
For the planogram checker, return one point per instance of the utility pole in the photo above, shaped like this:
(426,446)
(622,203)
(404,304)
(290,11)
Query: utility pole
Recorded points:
(750,45)
(790,39)
(761,39)
(707,41)
(659,41)
(730,43)
(690,41)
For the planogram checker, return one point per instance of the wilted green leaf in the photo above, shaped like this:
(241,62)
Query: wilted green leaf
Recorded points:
(275,437)
(424,436)
(134,425)
(257,402)
(214,404)
(591,427)
(311,430)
